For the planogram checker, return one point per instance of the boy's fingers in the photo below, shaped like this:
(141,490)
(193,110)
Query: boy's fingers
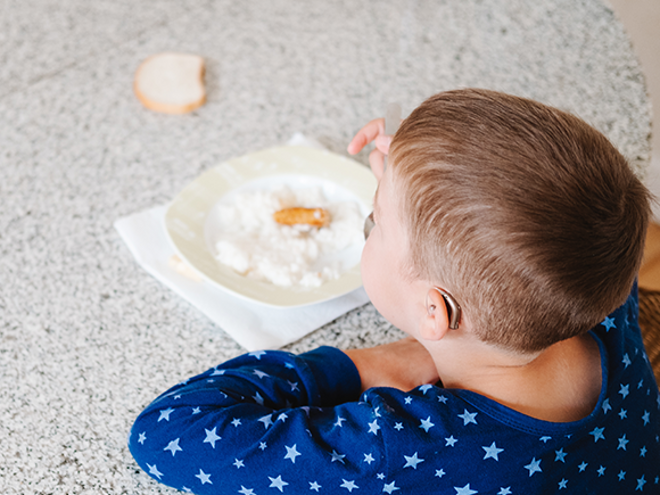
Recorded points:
(366,135)
(376,161)
(383,143)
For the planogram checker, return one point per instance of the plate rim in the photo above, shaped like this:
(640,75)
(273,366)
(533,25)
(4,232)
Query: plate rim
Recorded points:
(184,232)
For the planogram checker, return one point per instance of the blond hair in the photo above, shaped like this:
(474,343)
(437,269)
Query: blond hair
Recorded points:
(526,214)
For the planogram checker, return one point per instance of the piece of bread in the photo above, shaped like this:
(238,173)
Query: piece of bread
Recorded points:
(171,82)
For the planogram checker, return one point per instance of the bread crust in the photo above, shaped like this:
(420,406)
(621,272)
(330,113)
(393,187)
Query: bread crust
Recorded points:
(152,103)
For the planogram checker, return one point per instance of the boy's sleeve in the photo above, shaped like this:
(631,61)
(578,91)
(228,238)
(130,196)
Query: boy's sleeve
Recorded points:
(266,420)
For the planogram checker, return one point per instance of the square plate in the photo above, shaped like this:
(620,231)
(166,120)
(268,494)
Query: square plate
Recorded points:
(189,220)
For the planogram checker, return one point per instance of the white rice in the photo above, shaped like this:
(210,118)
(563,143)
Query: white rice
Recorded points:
(256,246)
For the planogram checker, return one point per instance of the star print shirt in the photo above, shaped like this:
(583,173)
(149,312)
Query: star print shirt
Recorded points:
(271,422)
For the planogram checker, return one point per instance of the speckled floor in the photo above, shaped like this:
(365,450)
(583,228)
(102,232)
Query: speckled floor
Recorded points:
(87,338)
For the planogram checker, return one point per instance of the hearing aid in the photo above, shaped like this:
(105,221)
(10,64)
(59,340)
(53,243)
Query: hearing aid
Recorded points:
(453,308)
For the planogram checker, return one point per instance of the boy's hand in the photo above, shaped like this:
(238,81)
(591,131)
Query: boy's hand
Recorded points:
(404,364)
(373,131)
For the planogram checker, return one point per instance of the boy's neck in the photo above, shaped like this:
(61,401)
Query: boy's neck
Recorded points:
(560,384)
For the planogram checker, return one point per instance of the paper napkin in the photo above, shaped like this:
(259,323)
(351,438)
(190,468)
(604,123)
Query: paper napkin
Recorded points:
(253,325)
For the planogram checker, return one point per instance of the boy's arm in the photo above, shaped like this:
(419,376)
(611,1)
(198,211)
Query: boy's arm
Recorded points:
(404,364)
(268,415)
(255,420)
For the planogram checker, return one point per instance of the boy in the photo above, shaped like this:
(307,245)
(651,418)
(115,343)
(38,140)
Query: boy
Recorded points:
(504,231)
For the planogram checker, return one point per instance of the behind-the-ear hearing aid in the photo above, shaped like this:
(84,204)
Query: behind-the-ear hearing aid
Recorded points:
(453,308)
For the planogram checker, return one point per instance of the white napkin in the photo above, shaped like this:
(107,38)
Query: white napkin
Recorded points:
(251,324)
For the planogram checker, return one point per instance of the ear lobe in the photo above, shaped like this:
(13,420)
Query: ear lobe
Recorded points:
(435,323)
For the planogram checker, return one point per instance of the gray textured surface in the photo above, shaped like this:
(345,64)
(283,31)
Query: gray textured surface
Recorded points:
(86,337)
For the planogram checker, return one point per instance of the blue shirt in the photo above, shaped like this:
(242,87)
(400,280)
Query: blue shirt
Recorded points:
(271,422)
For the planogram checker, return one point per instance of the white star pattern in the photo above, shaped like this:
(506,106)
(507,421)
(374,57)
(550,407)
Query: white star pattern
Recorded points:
(349,485)
(231,416)
(598,434)
(560,455)
(337,457)
(492,451)
(534,466)
(609,324)
(425,388)
(204,477)
(466,490)
(468,417)
(292,453)
(154,471)
(426,424)
(278,483)
(165,414)
(266,420)
(412,461)
(626,360)
(173,447)
(390,487)
(640,483)
(211,437)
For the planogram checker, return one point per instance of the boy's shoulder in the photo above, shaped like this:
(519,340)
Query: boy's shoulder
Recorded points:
(621,338)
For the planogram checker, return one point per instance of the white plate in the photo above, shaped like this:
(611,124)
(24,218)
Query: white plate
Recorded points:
(191,229)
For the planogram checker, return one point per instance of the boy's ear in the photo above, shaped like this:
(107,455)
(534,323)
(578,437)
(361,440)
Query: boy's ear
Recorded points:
(435,323)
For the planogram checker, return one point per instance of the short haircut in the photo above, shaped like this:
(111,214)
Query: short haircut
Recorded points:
(529,216)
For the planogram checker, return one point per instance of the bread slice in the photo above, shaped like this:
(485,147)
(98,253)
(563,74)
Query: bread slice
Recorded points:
(171,82)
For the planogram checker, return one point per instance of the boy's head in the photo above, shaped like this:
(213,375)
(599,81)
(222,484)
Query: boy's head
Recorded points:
(528,216)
